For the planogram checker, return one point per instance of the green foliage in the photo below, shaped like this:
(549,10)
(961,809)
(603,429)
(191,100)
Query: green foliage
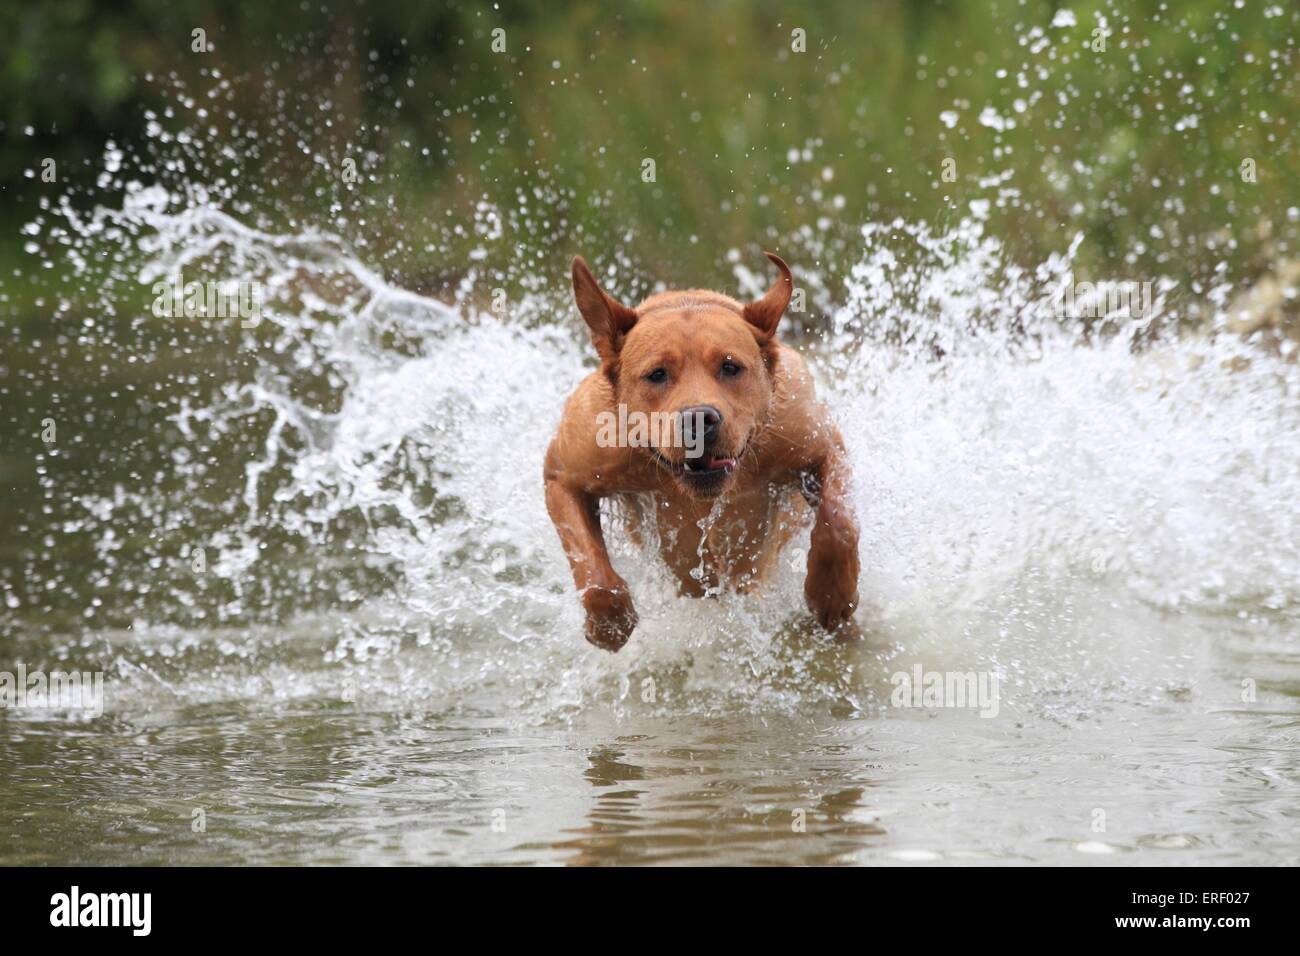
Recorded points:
(1138,146)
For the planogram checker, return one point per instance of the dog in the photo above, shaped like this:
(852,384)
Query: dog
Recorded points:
(751,458)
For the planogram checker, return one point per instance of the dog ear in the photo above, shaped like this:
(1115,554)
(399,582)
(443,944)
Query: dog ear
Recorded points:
(765,314)
(608,319)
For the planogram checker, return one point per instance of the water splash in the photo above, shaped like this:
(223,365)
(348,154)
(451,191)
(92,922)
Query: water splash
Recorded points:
(357,504)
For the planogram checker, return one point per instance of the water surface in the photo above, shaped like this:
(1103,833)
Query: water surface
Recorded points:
(312,560)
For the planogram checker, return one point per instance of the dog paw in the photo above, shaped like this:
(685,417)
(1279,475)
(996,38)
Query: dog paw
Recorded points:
(832,600)
(838,622)
(611,618)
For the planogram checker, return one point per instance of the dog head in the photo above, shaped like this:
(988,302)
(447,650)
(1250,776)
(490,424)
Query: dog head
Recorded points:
(694,368)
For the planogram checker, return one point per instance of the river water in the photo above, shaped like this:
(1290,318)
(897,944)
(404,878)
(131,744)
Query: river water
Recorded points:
(311,559)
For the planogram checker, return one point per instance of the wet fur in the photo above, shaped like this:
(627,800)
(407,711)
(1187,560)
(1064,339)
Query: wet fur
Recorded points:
(789,462)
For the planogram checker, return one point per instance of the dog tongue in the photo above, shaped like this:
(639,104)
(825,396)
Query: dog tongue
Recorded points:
(727,463)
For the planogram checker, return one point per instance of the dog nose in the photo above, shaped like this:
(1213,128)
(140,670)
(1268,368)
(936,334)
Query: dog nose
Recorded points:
(700,425)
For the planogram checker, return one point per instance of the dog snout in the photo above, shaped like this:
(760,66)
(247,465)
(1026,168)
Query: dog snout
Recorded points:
(701,425)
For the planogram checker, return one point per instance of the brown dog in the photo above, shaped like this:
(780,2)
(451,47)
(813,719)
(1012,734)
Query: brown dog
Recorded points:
(726,486)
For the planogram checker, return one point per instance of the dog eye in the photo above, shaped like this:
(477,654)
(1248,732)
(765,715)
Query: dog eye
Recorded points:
(730,369)
(658,376)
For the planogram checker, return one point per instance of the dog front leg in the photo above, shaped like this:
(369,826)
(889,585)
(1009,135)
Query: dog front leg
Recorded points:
(831,587)
(611,617)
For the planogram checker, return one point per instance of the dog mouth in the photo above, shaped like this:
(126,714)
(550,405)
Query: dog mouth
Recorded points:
(705,473)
